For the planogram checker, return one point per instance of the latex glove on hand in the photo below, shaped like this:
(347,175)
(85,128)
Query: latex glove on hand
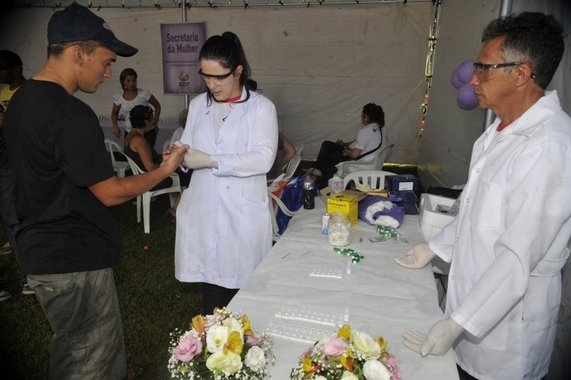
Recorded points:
(440,339)
(197,159)
(416,257)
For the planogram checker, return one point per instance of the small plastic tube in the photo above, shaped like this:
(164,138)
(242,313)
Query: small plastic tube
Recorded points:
(324,223)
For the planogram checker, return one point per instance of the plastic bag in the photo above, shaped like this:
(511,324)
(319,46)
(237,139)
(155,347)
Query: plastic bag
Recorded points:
(292,197)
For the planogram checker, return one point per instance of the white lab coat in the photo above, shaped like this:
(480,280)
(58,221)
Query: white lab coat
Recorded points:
(508,244)
(223,226)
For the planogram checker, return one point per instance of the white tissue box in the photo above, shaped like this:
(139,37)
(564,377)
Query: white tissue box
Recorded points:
(433,214)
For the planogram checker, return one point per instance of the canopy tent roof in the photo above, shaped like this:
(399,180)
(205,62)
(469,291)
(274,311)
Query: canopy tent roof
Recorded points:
(206,3)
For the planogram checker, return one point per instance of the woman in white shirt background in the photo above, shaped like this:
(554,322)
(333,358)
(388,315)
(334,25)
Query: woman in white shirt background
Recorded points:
(129,97)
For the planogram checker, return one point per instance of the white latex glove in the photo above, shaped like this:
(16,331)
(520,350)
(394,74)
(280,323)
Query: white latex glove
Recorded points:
(440,339)
(416,257)
(197,159)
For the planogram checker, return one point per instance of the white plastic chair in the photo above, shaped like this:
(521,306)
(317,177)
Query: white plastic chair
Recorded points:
(293,163)
(374,163)
(274,201)
(290,167)
(375,179)
(119,166)
(166,144)
(144,200)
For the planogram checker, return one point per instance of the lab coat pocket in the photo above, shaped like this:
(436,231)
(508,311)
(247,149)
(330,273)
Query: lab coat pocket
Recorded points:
(254,204)
(549,268)
(254,197)
(254,237)
(487,206)
(497,338)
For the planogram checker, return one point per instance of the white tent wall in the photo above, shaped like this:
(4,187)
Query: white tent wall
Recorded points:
(319,64)
(450,132)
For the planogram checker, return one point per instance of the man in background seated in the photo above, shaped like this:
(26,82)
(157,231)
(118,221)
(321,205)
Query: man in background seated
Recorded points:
(368,141)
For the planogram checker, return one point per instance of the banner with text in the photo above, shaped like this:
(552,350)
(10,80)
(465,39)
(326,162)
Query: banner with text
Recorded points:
(181,45)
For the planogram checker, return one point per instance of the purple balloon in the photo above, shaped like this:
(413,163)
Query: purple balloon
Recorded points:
(455,81)
(465,70)
(466,98)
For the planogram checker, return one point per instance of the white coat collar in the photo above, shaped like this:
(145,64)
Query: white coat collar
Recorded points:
(547,106)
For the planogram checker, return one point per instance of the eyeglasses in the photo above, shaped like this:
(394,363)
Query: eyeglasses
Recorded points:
(481,68)
(214,78)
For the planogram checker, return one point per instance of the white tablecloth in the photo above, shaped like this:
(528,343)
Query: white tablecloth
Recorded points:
(166,130)
(379,297)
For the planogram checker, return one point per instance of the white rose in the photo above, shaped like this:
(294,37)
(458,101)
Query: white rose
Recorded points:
(228,362)
(320,378)
(349,376)
(365,345)
(233,324)
(216,338)
(255,359)
(375,370)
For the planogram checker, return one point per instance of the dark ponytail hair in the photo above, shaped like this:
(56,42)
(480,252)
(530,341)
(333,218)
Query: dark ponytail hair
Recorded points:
(139,114)
(227,50)
(375,113)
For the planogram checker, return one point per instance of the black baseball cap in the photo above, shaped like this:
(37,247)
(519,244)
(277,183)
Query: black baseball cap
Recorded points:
(77,23)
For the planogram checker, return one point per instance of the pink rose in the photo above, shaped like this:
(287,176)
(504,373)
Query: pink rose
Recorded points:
(392,362)
(334,347)
(187,348)
(308,351)
(254,339)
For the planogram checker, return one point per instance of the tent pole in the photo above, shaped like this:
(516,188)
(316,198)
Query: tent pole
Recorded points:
(505,10)
(506,7)
(186,98)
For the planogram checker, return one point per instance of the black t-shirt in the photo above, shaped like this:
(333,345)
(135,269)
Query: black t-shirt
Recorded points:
(56,151)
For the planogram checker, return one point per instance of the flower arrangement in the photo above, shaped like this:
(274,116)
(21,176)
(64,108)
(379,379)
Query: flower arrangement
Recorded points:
(220,346)
(348,355)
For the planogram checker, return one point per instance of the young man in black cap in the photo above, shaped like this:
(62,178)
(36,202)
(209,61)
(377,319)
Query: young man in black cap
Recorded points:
(67,240)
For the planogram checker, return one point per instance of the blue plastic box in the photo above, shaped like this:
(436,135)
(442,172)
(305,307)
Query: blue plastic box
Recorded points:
(401,182)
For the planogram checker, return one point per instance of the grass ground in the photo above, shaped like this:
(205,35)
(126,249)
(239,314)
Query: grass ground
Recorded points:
(152,302)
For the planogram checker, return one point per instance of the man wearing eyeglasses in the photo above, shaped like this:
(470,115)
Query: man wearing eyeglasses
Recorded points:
(509,242)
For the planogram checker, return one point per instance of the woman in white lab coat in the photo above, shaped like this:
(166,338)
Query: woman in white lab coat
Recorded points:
(223,220)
